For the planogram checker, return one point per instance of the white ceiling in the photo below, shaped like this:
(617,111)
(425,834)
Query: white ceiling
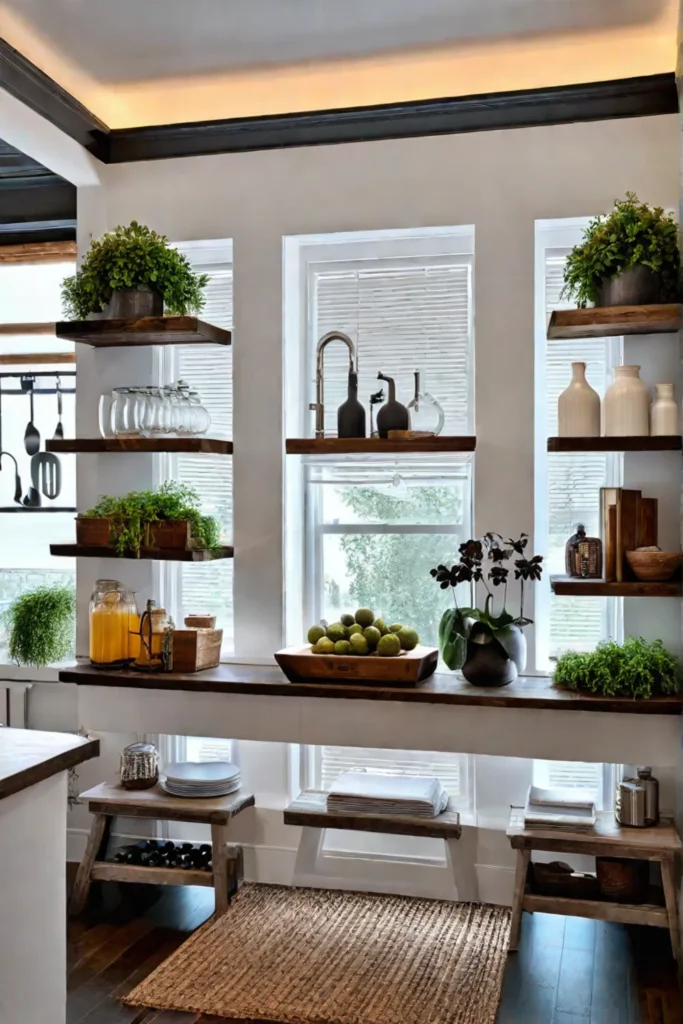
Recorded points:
(119,41)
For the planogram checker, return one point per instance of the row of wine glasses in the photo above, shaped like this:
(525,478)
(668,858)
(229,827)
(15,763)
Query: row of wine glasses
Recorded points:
(172,410)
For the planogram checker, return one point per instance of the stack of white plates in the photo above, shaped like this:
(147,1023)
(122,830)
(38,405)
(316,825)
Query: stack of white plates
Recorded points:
(201,779)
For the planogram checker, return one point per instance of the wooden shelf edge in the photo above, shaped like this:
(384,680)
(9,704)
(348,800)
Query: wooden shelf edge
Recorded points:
(192,445)
(112,871)
(564,586)
(377,445)
(669,443)
(613,321)
(163,330)
(597,910)
(146,554)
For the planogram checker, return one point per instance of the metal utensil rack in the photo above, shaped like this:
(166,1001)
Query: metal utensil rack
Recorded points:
(26,386)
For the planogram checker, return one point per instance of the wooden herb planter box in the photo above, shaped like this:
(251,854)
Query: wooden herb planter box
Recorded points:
(300,665)
(171,535)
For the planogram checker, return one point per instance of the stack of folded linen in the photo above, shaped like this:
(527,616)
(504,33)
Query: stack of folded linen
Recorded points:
(362,793)
(564,810)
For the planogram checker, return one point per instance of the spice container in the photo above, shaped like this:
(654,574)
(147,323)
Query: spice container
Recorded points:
(651,787)
(155,639)
(139,766)
(113,615)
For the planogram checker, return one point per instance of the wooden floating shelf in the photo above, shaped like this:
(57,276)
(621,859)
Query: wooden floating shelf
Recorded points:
(597,910)
(156,554)
(148,330)
(613,321)
(205,445)
(565,586)
(376,445)
(670,443)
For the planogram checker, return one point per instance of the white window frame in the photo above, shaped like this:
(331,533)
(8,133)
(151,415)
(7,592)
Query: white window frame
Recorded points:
(205,255)
(559,235)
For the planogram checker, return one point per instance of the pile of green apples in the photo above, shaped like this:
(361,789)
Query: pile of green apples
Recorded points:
(362,634)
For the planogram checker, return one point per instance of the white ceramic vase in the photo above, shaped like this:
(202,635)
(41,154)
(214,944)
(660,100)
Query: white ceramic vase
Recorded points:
(578,407)
(664,412)
(627,404)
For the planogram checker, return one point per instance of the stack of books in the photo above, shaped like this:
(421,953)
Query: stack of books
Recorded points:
(363,793)
(564,810)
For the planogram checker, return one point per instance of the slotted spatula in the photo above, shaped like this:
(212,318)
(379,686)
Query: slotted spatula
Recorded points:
(46,474)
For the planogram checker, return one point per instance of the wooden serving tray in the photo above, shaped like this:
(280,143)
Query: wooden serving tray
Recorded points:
(300,665)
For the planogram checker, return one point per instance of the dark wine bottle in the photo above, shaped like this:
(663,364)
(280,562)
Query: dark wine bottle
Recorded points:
(351,414)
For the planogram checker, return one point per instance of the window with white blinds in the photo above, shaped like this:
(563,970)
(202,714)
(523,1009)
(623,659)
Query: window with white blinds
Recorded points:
(208,587)
(403,315)
(452,769)
(376,527)
(574,480)
(596,779)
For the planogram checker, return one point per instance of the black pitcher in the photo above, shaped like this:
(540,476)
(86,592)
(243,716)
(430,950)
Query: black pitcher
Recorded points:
(392,415)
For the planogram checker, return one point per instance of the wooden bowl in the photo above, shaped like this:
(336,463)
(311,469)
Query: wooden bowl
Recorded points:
(654,566)
(301,665)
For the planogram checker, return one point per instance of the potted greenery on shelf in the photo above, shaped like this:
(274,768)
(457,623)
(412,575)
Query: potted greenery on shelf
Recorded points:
(167,517)
(41,625)
(628,258)
(489,648)
(133,272)
(637,668)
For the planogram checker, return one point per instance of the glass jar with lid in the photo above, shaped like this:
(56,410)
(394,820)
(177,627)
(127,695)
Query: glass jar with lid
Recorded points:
(114,621)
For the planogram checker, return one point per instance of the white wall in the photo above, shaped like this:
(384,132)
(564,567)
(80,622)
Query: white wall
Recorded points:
(501,182)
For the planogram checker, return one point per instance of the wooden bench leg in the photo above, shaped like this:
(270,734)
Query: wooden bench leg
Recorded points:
(461,861)
(308,854)
(219,857)
(669,882)
(523,857)
(97,841)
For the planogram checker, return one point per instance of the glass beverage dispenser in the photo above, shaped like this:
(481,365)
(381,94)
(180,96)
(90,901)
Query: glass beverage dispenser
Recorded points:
(114,622)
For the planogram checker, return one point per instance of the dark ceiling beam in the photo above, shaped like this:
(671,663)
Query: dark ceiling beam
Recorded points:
(37,210)
(596,101)
(41,93)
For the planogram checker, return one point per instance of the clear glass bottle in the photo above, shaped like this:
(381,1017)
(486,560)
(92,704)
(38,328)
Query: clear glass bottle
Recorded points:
(113,616)
(425,412)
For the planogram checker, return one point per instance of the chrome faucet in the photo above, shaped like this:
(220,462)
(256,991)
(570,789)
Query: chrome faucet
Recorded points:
(319,405)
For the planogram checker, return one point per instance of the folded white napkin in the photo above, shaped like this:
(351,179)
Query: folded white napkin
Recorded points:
(363,793)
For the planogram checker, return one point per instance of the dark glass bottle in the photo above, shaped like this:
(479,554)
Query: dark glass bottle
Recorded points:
(351,414)
(392,415)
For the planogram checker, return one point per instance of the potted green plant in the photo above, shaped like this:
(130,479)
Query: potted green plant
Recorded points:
(168,517)
(637,668)
(489,648)
(133,272)
(41,625)
(630,257)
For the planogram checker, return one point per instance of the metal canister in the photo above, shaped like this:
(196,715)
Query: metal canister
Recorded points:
(139,766)
(630,803)
(651,786)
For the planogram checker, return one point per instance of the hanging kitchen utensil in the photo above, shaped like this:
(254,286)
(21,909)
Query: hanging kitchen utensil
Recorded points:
(33,499)
(31,435)
(18,490)
(59,429)
(46,474)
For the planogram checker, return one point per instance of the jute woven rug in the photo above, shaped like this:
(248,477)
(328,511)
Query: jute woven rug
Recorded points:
(310,956)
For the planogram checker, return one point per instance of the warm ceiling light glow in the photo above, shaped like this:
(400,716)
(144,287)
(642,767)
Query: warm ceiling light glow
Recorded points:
(475,67)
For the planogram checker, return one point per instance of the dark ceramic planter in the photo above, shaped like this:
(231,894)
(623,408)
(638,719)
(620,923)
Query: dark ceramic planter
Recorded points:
(487,664)
(637,286)
(132,303)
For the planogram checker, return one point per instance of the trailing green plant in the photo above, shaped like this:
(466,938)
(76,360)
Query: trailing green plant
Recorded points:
(458,623)
(130,514)
(133,257)
(41,625)
(636,668)
(633,234)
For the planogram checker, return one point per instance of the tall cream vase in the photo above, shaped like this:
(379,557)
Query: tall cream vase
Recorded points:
(627,404)
(664,412)
(578,407)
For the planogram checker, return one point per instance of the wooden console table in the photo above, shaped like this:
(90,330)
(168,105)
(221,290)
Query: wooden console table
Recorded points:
(608,839)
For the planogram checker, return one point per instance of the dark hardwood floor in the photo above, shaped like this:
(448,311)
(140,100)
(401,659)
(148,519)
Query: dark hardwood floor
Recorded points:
(567,970)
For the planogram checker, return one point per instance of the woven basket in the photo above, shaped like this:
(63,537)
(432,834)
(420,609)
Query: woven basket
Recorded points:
(622,881)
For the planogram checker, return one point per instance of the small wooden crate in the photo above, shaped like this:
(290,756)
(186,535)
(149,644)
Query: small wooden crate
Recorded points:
(196,649)
(166,535)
